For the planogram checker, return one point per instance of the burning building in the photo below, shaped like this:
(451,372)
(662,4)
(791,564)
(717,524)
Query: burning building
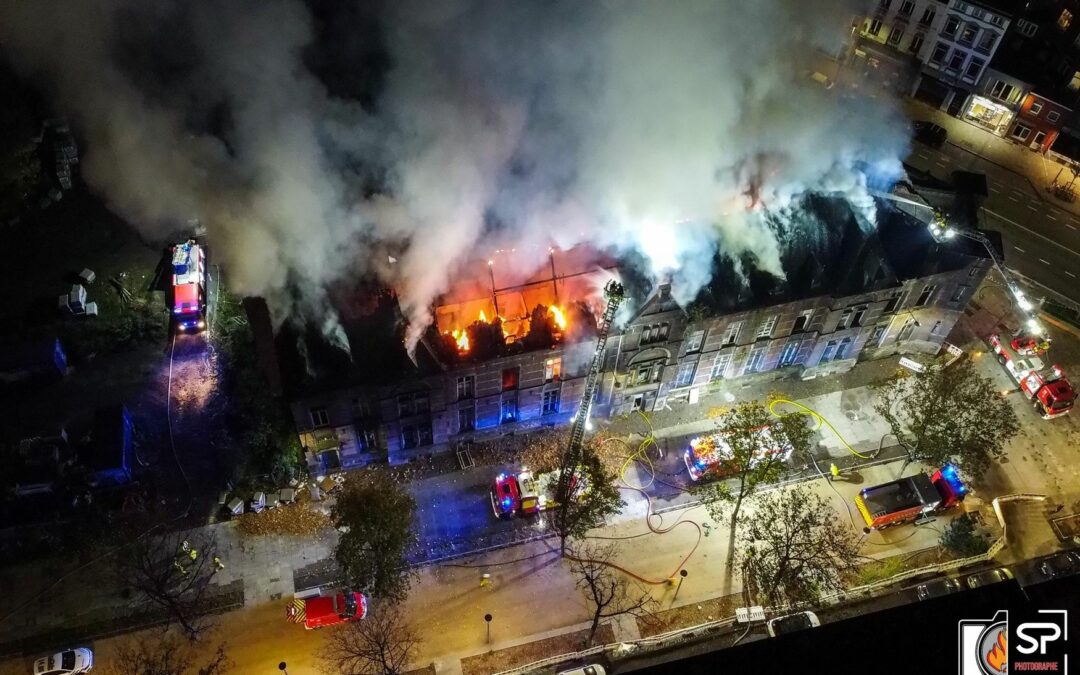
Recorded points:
(848,295)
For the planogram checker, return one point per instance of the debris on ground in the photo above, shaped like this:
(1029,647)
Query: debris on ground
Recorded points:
(295,520)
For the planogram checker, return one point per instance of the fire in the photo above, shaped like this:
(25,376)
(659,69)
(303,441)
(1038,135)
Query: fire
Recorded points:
(462,339)
(997,657)
(483,317)
(557,314)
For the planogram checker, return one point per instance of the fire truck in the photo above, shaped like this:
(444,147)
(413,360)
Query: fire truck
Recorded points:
(327,610)
(1051,394)
(710,456)
(905,500)
(189,286)
(526,493)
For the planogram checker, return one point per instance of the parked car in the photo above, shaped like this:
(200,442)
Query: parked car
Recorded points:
(937,588)
(929,133)
(792,623)
(67,662)
(1060,565)
(989,577)
(594,669)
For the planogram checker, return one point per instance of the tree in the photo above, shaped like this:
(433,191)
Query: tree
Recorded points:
(594,497)
(376,519)
(161,570)
(948,414)
(961,537)
(166,654)
(794,547)
(383,644)
(608,591)
(753,459)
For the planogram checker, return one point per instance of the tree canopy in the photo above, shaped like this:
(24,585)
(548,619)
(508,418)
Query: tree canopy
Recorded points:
(375,516)
(949,414)
(594,498)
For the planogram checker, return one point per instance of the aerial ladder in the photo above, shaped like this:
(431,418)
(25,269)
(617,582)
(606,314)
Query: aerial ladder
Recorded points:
(1035,341)
(614,294)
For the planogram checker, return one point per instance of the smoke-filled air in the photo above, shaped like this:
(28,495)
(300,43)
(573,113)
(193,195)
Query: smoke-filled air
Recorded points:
(322,142)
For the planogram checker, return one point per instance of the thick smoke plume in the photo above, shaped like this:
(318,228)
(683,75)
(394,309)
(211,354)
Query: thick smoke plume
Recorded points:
(666,128)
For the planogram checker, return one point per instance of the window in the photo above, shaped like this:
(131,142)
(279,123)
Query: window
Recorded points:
(693,343)
(936,329)
(884,4)
(940,51)
(997,20)
(1021,132)
(412,404)
(1053,116)
(361,408)
(639,402)
(896,300)
(655,333)
(1040,136)
(928,16)
(958,294)
(662,334)
(916,43)
(875,27)
(719,366)
(647,334)
(845,319)
(766,328)
(510,378)
(466,387)
(827,355)
(876,336)
(685,375)
(957,60)
(924,297)
(414,436)
(1002,91)
(732,335)
(987,42)
(802,320)
(978,12)
(1027,28)
(842,349)
(319,417)
(641,375)
(1035,108)
(1065,19)
(754,363)
(551,402)
(974,68)
(952,24)
(509,410)
(967,36)
(368,439)
(907,330)
(466,418)
(973,271)
(895,34)
(552,369)
(860,314)
(907,7)
(788,354)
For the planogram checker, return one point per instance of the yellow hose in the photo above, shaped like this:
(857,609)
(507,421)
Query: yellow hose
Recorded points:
(803,410)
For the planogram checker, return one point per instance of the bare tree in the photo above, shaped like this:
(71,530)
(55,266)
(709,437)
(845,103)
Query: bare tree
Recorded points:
(608,591)
(793,547)
(164,573)
(166,654)
(383,644)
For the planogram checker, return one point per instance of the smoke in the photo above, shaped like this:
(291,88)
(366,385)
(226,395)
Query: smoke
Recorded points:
(666,131)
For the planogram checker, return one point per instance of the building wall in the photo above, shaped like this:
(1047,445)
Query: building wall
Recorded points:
(1038,122)
(660,356)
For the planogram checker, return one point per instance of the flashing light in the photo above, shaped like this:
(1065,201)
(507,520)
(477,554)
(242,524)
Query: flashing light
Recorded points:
(1034,326)
(1057,370)
(588,425)
(177,310)
(948,472)
(949,233)
(202,324)
(506,502)
(501,476)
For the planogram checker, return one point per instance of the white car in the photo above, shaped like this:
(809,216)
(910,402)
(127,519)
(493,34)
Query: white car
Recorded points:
(792,623)
(594,669)
(78,660)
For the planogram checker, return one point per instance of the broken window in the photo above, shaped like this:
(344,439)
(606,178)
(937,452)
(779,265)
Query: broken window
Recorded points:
(802,321)
(924,297)
(693,343)
(732,335)
(552,369)
(896,301)
(510,378)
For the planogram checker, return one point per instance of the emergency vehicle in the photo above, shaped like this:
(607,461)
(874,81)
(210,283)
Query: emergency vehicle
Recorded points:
(1048,389)
(528,493)
(327,610)
(711,456)
(505,496)
(189,286)
(904,500)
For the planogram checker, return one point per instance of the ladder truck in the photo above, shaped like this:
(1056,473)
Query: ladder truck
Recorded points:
(614,294)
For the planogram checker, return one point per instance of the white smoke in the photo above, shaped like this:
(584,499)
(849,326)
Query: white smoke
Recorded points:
(669,129)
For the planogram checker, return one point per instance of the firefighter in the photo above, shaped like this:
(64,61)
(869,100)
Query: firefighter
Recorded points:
(193,554)
(485,580)
(835,471)
(218,564)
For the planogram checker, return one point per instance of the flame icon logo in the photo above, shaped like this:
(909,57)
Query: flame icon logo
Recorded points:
(997,659)
(993,649)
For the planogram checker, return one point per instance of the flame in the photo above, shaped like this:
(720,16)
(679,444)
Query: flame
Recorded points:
(462,339)
(557,314)
(483,317)
(998,657)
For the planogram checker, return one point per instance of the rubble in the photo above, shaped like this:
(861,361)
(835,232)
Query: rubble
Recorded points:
(295,520)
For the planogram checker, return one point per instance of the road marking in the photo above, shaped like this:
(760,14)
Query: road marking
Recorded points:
(1011,198)
(1044,261)
(941,165)
(1019,249)
(922,155)
(1050,217)
(1070,226)
(1070,274)
(1031,231)
(1032,207)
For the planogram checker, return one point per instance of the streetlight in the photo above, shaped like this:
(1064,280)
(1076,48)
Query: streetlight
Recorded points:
(281,667)
(487,620)
(682,575)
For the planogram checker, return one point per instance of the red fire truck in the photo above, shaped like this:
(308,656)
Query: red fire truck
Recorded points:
(189,286)
(904,500)
(327,610)
(1048,389)
(527,493)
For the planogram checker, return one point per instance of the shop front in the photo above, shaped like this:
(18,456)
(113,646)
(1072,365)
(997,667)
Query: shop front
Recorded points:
(989,115)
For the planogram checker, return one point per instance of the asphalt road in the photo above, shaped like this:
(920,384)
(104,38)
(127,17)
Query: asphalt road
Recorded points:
(1041,240)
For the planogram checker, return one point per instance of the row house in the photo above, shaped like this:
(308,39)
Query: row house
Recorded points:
(890,291)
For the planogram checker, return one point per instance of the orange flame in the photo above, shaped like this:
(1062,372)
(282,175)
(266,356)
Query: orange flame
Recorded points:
(997,658)
(462,339)
(557,314)
(483,317)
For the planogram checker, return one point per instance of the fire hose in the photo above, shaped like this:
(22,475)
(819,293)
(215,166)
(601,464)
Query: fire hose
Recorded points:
(804,410)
